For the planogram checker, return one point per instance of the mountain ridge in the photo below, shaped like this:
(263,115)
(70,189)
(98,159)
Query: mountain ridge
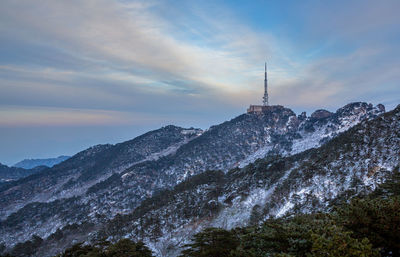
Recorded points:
(48,162)
(249,203)
(10,174)
(116,186)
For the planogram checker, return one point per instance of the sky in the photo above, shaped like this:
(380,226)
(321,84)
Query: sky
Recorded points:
(76,73)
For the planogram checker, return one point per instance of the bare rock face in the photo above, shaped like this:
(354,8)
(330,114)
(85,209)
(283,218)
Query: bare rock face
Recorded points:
(302,116)
(320,114)
(360,108)
(381,107)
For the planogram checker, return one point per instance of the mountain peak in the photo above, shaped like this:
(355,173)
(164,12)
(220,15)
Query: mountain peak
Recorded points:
(321,113)
(359,107)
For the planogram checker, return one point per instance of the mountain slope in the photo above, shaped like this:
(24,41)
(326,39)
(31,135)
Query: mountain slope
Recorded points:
(13,173)
(351,164)
(223,147)
(32,163)
(101,182)
(73,176)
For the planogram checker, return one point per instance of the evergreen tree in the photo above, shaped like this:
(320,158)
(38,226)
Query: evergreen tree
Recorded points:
(336,242)
(377,219)
(122,248)
(127,248)
(212,242)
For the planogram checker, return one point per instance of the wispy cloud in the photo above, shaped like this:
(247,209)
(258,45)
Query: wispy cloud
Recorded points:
(214,57)
(12,116)
(116,43)
(190,62)
(126,57)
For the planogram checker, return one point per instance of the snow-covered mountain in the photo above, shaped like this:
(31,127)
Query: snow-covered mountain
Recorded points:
(32,163)
(74,176)
(110,181)
(351,164)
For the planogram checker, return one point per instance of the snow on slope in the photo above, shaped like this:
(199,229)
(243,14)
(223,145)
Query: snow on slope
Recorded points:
(323,129)
(251,136)
(353,164)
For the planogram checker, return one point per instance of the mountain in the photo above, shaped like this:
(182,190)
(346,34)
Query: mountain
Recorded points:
(74,176)
(32,163)
(351,164)
(109,181)
(8,174)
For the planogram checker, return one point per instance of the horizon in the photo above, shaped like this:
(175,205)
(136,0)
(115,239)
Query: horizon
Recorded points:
(77,74)
(187,127)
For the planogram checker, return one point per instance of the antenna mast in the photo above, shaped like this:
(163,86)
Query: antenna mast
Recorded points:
(265,97)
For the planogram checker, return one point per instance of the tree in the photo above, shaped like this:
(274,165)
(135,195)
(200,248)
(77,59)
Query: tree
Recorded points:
(391,187)
(127,248)
(27,248)
(337,242)
(376,219)
(122,248)
(80,250)
(212,242)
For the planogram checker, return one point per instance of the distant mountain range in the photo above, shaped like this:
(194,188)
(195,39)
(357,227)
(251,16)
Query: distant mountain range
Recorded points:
(166,185)
(32,163)
(27,167)
(8,174)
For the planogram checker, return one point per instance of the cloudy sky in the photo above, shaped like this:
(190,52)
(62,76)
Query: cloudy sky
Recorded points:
(76,73)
